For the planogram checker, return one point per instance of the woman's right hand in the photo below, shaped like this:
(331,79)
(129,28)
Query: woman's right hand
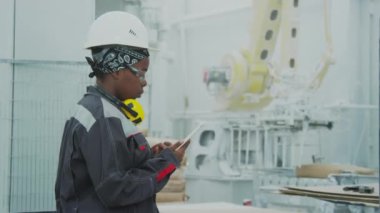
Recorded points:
(178,150)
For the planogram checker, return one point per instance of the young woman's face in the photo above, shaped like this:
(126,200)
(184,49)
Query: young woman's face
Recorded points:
(129,84)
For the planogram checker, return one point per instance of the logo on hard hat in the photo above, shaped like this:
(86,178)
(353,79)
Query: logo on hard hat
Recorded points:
(132,32)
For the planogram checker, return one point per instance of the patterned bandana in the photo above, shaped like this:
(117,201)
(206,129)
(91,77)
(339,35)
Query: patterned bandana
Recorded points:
(114,58)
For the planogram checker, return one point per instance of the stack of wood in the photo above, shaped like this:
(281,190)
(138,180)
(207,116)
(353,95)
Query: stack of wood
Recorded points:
(174,191)
(324,170)
(337,194)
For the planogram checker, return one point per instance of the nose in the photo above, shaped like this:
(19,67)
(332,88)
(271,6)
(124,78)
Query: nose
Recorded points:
(144,83)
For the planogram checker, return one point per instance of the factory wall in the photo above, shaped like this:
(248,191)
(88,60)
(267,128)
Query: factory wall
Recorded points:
(48,79)
(6,52)
(351,85)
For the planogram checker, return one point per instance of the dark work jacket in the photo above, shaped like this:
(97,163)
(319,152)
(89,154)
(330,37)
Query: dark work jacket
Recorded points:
(105,164)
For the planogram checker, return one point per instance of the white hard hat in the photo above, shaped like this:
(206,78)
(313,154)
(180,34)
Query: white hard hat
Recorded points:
(116,27)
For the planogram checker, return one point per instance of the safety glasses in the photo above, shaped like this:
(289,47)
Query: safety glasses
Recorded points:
(137,72)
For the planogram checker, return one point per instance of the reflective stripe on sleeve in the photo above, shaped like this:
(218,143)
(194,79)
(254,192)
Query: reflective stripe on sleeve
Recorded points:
(165,172)
(84,117)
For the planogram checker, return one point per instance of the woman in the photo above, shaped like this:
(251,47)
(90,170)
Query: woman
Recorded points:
(105,164)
